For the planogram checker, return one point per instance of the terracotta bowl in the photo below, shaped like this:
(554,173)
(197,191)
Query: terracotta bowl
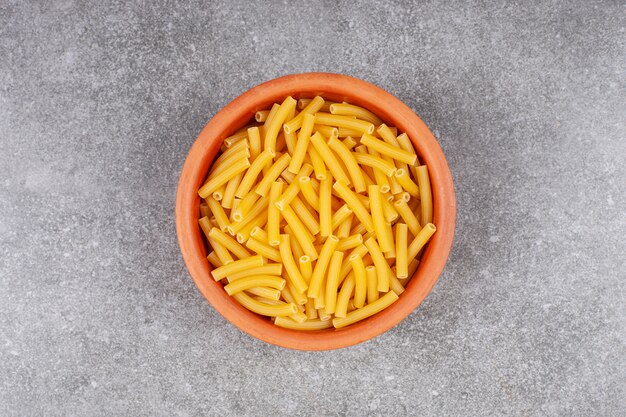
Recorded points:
(239,113)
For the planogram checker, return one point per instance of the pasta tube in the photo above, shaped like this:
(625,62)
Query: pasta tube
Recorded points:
(318,163)
(343,299)
(294,274)
(402,261)
(355,204)
(254,136)
(372,284)
(265,309)
(376,205)
(330,159)
(301,233)
(223,177)
(271,131)
(367,311)
(253,172)
(426,197)
(332,282)
(218,212)
(254,281)
(345,109)
(407,215)
(382,267)
(304,135)
(350,242)
(325,207)
(402,176)
(344,121)
(297,122)
(229,191)
(288,323)
(320,267)
(264,250)
(272,174)
(375,162)
(237,266)
(351,164)
(229,243)
(420,240)
(214,260)
(267,269)
(222,253)
(273,215)
(360,280)
(387,149)
(311,197)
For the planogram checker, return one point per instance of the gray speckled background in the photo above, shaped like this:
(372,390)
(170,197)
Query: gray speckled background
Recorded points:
(99,104)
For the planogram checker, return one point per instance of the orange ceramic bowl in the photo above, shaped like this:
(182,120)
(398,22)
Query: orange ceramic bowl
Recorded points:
(240,112)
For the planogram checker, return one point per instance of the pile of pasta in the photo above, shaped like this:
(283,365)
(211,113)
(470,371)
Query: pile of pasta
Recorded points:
(316,214)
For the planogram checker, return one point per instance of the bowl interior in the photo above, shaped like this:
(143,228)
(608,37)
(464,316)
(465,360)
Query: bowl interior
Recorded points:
(240,112)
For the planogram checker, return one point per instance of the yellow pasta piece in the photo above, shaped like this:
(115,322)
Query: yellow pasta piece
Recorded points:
(259,207)
(229,243)
(214,260)
(394,283)
(402,260)
(237,266)
(240,151)
(413,267)
(298,296)
(378,216)
(387,149)
(325,208)
(382,267)
(266,294)
(218,212)
(297,122)
(349,142)
(330,160)
(360,280)
(402,176)
(254,136)
(391,214)
(345,109)
(288,195)
(310,311)
(264,250)
(343,132)
(270,116)
(236,138)
(346,267)
(367,311)
(265,309)
(355,204)
(318,163)
(295,246)
(290,140)
(375,162)
(320,266)
(307,218)
(405,143)
(219,193)
(320,302)
(303,102)
(350,162)
(372,284)
(258,221)
(349,242)
(288,176)
(273,215)
(222,253)
(259,234)
(311,197)
(250,177)
(301,233)
(295,276)
(407,215)
(288,323)
(420,240)
(261,115)
(306,267)
(244,206)
(254,281)
(272,174)
(302,143)
(271,131)
(343,230)
(328,119)
(340,216)
(267,269)
(229,191)
(326,131)
(343,299)
(332,282)
(426,197)
(223,177)
(204,210)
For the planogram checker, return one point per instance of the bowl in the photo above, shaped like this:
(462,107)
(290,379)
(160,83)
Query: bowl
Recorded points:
(241,111)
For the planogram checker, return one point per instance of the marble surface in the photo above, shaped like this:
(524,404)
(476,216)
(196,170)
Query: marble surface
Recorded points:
(100,102)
